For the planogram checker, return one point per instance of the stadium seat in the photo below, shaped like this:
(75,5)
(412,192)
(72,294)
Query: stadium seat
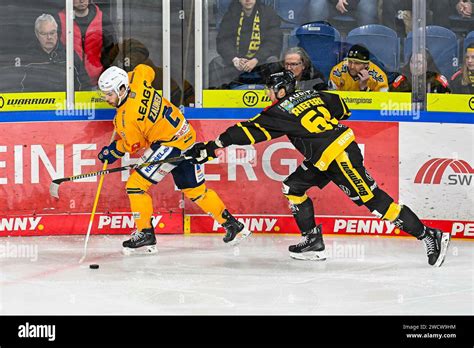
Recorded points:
(323,44)
(460,25)
(443,46)
(293,13)
(382,42)
(468,40)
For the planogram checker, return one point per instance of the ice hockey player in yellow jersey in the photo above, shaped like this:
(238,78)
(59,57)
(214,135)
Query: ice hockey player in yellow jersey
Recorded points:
(146,120)
(358,73)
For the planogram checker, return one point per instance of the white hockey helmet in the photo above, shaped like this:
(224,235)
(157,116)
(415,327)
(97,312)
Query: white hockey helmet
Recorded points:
(113,79)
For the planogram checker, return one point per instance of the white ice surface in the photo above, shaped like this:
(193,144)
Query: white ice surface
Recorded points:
(201,275)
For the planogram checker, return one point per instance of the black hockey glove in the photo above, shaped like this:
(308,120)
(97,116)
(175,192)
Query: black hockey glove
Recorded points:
(202,152)
(110,153)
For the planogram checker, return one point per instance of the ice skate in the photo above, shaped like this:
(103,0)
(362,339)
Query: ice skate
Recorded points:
(311,247)
(235,231)
(141,242)
(436,244)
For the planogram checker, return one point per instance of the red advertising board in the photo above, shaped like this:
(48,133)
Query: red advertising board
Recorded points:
(248,179)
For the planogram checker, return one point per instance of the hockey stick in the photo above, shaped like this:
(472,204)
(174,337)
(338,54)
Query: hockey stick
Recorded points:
(54,187)
(94,207)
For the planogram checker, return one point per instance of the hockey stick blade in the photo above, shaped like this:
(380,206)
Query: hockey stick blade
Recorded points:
(54,186)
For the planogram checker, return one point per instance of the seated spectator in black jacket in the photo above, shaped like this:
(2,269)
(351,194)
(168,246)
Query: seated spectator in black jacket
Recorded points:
(435,82)
(249,40)
(44,67)
(462,82)
(307,76)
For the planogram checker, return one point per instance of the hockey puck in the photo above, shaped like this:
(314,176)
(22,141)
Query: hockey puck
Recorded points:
(94,266)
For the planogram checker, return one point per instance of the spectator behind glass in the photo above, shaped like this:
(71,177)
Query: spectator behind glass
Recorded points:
(358,73)
(249,40)
(435,82)
(134,52)
(365,11)
(398,14)
(94,37)
(307,76)
(464,8)
(462,82)
(44,69)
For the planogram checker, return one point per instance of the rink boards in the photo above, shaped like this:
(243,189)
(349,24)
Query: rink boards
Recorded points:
(427,166)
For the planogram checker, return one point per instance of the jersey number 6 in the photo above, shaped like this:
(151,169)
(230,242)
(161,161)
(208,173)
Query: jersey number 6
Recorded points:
(318,122)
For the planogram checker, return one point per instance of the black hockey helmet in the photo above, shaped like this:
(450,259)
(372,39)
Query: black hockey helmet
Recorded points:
(284,79)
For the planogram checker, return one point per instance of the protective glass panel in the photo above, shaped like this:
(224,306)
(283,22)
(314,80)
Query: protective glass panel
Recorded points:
(32,56)
(247,40)
(458,21)
(139,39)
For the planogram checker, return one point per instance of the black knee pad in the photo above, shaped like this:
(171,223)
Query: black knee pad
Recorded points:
(303,178)
(380,203)
(292,185)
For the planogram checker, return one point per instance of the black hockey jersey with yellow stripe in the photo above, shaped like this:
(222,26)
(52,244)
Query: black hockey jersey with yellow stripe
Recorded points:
(310,119)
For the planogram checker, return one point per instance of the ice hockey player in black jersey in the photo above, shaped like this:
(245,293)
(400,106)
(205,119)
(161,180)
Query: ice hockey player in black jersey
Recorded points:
(311,121)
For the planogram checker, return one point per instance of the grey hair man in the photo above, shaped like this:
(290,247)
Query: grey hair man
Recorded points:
(46,30)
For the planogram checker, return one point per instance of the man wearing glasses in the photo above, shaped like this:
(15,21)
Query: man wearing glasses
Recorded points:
(44,67)
(307,76)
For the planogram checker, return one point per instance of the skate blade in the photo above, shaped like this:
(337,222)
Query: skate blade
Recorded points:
(309,255)
(244,234)
(149,249)
(445,240)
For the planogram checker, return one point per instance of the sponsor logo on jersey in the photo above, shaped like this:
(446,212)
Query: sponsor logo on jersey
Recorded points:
(368,175)
(155,107)
(301,96)
(199,173)
(183,130)
(345,190)
(376,76)
(135,147)
(286,105)
(359,183)
(433,171)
